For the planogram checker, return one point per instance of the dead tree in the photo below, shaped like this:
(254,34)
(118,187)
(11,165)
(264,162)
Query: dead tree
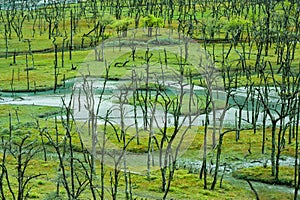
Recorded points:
(172,106)
(228,80)
(277,112)
(73,180)
(22,149)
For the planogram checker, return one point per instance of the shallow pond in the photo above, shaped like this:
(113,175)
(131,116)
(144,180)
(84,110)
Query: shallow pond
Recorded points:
(110,101)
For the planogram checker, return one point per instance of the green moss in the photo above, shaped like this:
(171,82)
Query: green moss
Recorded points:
(41,75)
(263,174)
(197,106)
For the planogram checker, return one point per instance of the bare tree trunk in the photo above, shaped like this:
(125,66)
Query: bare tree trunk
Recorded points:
(134,95)
(3,168)
(297,166)
(27,73)
(203,171)
(273,143)
(252,188)
(55,68)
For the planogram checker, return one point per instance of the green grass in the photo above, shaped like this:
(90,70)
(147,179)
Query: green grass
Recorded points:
(248,140)
(44,60)
(197,106)
(44,186)
(41,73)
(184,185)
(41,76)
(25,113)
(263,174)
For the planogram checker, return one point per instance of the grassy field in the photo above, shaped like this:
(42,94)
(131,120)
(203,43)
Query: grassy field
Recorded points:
(233,44)
(40,74)
(39,46)
(185,184)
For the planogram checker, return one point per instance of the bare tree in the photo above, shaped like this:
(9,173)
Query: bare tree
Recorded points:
(277,112)
(228,80)
(90,129)
(170,142)
(73,180)
(22,149)
(297,166)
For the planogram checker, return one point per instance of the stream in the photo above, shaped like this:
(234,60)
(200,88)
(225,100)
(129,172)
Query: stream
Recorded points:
(112,90)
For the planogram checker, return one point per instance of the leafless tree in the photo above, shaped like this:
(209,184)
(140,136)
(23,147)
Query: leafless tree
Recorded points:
(73,180)
(277,112)
(22,149)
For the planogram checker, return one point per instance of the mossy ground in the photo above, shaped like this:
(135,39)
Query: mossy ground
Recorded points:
(41,76)
(263,174)
(185,185)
